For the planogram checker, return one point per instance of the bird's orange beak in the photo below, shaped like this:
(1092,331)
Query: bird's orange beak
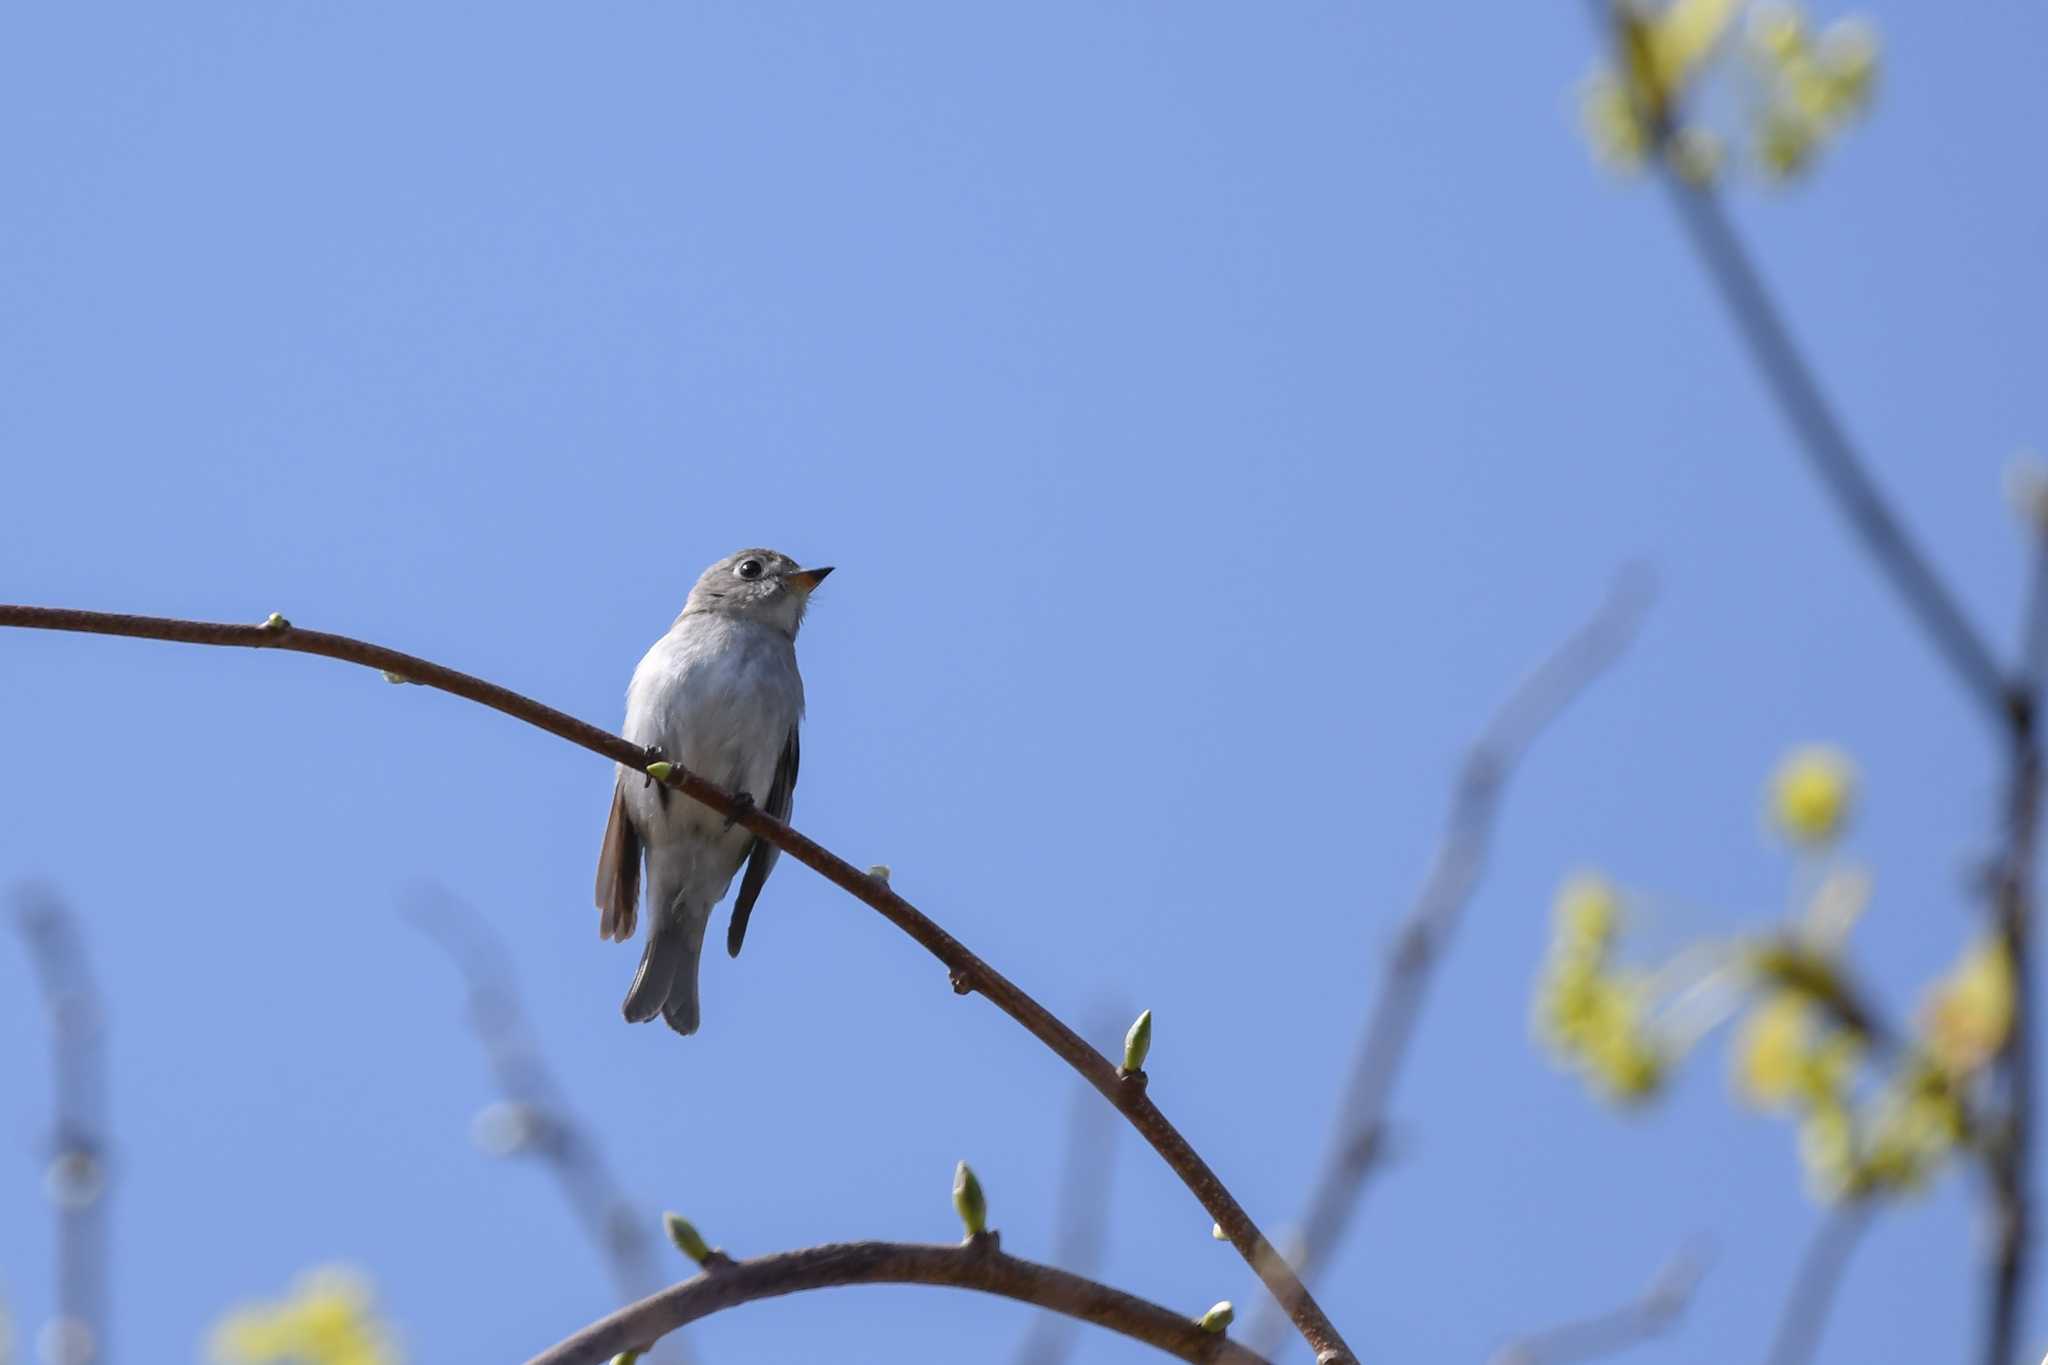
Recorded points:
(807,579)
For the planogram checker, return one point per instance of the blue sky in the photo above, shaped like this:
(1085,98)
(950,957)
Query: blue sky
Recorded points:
(1210,413)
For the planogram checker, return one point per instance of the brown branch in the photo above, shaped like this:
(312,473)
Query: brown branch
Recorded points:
(968,972)
(548,1126)
(77,1178)
(1405,971)
(979,1264)
(1647,1315)
(1815,1282)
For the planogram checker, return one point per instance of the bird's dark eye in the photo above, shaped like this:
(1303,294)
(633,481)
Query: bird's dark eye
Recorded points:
(749,568)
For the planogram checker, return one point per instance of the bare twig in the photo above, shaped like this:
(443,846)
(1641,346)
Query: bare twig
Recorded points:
(1785,370)
(1815,1282)
(2034,627)
(1454,872)
(539,1120)
(77,1176)
(1828,448)
(1083,1225)
(2008,1154)
(1643,1317)
(967,971)
(979,1264)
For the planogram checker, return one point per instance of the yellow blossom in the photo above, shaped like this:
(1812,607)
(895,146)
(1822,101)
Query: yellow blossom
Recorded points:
(1968,1013)
(1587,909)
(1786,1055)
(1681,38)
(1767,1054)
(327,1320)
(1810,794)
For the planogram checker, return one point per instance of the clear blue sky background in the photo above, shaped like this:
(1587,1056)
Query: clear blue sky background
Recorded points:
(1210,409)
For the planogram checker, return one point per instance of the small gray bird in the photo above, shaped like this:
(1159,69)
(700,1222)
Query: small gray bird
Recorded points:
(720,695)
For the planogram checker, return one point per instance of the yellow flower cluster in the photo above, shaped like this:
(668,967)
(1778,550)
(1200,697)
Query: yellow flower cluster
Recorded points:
(1662,53)
(1809,1042)
(1794,1054)
(327,1320)
(1591,1013)
(1801,89)
(1812,85)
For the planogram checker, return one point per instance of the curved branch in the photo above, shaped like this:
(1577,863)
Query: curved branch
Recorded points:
(969,973)
(978,1264)
(1454,873)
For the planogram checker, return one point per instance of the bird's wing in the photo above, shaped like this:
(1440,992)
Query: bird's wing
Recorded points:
(618,871)
(781,793)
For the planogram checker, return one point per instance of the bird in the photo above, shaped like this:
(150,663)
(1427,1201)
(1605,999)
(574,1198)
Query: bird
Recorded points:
(720,695)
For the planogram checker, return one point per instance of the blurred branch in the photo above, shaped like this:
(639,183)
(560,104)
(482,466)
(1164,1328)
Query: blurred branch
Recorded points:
(77,1175)
(2034,637)
(978,1264)
(1814,1284)
(532,1116)
(1792,382)
(1644,1317)
(1083,1225)
(1454,872)
(967,971)
(2009,1152)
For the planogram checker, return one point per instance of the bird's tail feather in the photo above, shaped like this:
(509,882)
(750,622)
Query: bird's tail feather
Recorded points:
(666,983)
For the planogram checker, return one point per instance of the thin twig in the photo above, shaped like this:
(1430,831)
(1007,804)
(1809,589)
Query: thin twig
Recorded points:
(1791,379)
(1814,1284)
(2008,1155)
(1828,448)
(968,972)
(979,1264)
(2034,628)
(543,1122)
(77,1176)
(1405,970)
(1647,1315)
(1083,1225)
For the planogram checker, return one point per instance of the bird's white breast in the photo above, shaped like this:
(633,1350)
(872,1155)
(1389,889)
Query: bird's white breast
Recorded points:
(718,696)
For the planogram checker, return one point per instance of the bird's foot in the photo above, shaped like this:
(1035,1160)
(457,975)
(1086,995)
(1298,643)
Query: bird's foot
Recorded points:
(655,755)
(742,804)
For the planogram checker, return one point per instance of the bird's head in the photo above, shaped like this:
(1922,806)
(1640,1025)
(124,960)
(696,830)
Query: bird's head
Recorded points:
(757,585)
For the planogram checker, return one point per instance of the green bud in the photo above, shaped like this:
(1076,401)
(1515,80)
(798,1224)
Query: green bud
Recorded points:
(684,1234)
(1216,1231)
(660,772)
(880,872)
(968,1201)
(1217,1318)
(626,1358)
(274,622)
(1138,1042)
